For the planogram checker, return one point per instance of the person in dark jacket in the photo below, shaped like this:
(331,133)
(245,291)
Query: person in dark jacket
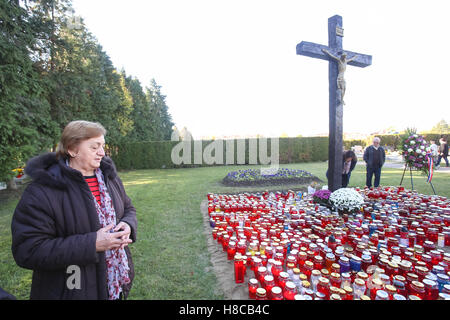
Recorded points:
(349,161)
(443,151)
(74,221)
(374,156)
(349,164)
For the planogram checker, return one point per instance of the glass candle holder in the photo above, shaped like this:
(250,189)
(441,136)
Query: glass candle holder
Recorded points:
(335,279)
(231,251)
(269,283)
(344,264)
(355,263)
(318,262)
(442,280)
(314,280)
(308,268)
(238,269)
(289,291)
(324,287)
(261,294)
(399,282)
(376,285)
(252,287)
(276,293)
(359,288)
(348,293)
(276,269)
(282,279)
(382,295)
(431,289)
(417,289)
(261,273)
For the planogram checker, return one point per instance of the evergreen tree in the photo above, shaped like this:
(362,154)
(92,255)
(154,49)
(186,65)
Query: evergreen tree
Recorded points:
(53,71)
(25,124)
(161,121)
(441,127)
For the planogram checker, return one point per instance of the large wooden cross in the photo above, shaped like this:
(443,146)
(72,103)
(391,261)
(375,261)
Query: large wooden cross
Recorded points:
(331,53)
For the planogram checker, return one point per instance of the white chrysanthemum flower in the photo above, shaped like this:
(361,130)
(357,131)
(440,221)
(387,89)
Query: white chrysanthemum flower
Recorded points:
(412,142)
(346,199)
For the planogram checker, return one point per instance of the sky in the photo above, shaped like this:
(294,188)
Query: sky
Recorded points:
(230,67)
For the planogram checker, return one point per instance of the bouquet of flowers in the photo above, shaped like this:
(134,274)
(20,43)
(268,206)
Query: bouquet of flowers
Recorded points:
(414,151)
(322,197)
(346,199)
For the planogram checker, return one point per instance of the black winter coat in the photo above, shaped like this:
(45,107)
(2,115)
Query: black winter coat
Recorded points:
(368,156)
(55,226)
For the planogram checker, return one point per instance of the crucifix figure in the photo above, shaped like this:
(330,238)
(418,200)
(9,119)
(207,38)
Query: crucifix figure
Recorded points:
(337,58)
(342,66)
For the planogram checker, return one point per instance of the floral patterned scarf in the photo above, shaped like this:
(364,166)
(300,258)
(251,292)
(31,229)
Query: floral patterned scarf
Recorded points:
(116,259)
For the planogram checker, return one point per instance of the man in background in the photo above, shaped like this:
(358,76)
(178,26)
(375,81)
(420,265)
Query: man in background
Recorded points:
(443,151)
(374,156)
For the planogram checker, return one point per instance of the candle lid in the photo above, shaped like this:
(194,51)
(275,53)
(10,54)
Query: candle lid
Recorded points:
(382,294)
(397,296)
(260,292)
(390,288)
(362,275)
(443,277)
(335,275)
(268,278)
(359,282)
(377,282)
(364,297)
(316,273)
(417,284)
(276,290)
(290,285)
(306,284)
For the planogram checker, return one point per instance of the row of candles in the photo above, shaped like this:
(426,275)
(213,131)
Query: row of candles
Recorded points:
(291,248)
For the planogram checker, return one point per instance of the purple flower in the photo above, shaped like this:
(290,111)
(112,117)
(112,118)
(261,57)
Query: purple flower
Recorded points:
(322,194)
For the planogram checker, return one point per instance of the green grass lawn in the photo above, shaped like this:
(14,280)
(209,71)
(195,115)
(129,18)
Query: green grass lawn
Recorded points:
(171,259)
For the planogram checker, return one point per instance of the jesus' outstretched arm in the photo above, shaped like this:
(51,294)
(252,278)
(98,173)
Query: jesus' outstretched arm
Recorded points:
(330,54)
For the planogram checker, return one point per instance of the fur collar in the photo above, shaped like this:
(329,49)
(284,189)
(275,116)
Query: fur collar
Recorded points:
(47,170)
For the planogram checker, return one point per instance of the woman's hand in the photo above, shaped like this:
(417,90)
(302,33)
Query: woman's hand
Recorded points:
(126,228)
(107,240)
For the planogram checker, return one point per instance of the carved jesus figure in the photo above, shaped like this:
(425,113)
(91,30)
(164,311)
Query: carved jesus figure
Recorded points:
(342,66)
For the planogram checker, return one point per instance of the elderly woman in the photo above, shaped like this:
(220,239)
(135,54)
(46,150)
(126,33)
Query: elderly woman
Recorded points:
(74,221)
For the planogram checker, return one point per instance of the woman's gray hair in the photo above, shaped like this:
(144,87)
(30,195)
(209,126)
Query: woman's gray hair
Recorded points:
(74,133)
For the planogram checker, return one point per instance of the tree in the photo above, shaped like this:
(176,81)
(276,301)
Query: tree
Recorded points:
(25,125)
(161,121)
(441,127)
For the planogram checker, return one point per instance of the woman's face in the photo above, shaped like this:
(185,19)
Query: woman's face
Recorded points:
(89,153)
(348,160)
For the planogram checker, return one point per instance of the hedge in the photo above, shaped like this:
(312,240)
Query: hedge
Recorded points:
(157,154)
